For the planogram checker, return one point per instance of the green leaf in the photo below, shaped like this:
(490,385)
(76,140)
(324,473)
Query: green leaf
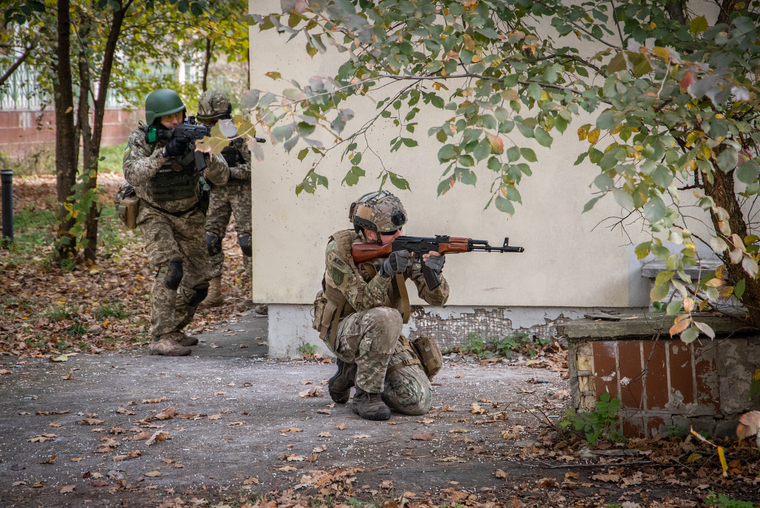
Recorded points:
(591,203)
(513,154)
(617,63)
(504,205)
(642,250)
(482,150)
(494,164)
(543,137)
(698,25)
(623,199)
(659,292)
(739,288)
(727,159)
(690,334)
(655,209)
(604,182)
(446,153)
(528,154)
(398,181)
(674,308)
(748,172)
(534,91)
(664,277)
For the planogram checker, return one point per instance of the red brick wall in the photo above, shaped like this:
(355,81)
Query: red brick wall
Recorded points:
(19,133)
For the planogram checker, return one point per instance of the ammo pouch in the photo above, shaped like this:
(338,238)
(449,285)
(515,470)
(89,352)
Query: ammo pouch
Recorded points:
(320,302)
(429,355)
(127,205)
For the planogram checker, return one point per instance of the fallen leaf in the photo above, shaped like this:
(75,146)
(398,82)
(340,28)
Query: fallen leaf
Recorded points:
(90,421)
(319,449)
(606,477)
(306,382)
(68,488)
(423,437)
(251,480)
(361,436)
(119,458)
(167,414)
(548,483)
(134,454)
(76,459)
(231,384)
(235,423)
(290,429)
(214,417)
(21,482)
(324,412)
(153,474)
(50,460)
(294,458)
(158,436)
(288,469)
(67,377)
(139,437)
(313,392)
(460,376)
(500,474)
(153,401)
(341,426)
(54,424)
(386,484)
(324,434)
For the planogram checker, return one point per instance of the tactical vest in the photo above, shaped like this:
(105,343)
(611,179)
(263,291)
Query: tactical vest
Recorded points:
(330,305)
(177,179)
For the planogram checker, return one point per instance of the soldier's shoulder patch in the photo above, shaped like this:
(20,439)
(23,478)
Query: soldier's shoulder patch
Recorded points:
(339,262)
(337,276)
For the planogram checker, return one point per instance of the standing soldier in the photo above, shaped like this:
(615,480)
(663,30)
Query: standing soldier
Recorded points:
(233,198)
(359,313)
(167,182)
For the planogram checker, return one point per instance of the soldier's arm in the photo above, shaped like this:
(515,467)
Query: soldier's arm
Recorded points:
(242,171)
(140,163)
(361,295)
(437,297)
(217,171)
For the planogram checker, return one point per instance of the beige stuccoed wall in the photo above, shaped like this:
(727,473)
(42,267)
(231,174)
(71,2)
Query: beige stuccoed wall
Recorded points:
(570,259)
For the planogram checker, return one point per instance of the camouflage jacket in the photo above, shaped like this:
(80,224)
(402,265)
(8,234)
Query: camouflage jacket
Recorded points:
(142,162)
(363,292)
(241,171)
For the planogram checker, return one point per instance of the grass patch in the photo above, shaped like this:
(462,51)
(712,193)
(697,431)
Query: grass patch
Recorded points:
(108,310)
(111,158)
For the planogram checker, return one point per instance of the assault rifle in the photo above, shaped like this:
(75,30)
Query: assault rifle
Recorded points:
(190,133)
(419,245)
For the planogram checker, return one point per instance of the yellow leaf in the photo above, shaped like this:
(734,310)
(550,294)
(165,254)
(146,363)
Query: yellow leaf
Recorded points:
(582,134)
(722,456)
(693,458)
(593,136)
(661,53)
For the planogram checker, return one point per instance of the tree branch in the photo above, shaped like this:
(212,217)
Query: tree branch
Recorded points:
(18,62)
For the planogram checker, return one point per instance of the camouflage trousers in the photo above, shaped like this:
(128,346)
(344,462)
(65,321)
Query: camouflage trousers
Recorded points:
(233,198)
(370,339)
(167,240)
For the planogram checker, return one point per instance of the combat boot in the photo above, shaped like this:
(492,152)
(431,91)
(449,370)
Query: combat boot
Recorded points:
(370,406)
(340,384)
(214,297)
(167,346)
(181,338)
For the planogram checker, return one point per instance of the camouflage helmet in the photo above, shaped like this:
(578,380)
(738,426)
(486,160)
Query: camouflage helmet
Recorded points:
(381,212)
(213,104)
(160,103)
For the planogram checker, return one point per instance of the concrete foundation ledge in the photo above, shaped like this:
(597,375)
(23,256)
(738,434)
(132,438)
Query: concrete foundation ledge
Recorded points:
(290,325)
(664,385)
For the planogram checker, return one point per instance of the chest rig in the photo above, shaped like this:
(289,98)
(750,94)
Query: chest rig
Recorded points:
(176,180)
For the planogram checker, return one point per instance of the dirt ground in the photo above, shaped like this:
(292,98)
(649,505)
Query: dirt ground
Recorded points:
(78,433)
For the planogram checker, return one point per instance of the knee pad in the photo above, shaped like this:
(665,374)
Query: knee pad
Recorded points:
(196,295)
(171,273)
(244,240)
(213,243)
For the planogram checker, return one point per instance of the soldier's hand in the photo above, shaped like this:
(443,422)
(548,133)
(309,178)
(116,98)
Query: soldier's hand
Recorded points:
(396,263)
(175,147)
(435,262)
(230,155)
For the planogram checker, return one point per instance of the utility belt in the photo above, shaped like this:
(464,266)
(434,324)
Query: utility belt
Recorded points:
(175,214)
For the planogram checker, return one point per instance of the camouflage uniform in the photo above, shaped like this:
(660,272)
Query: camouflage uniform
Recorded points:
(371,336)
(232,198)
(172,229)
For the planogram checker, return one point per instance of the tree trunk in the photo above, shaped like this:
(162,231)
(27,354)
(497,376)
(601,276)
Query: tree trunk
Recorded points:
(66,145)
(99,109)
(723,193)
(205,65)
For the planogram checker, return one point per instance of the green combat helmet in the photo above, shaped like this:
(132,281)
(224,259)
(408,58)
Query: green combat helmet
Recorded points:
(381,212)
(160,103)
(213,104)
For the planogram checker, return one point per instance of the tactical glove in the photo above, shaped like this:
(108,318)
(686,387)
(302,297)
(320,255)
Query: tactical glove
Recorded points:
(435,263)
(230,154)
(396,263)
(175,147)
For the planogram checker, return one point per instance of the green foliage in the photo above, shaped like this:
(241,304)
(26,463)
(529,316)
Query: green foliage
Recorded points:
(307,349)
(60,312)
(111,310)
(598,424)
(714,499)
(40,161)
(475,346)
(111,158)
(670,117)
(76,330)
(520,341)
(676,431)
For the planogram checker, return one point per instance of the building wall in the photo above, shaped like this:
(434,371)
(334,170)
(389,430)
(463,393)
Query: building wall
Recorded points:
(23,132)
(571,259)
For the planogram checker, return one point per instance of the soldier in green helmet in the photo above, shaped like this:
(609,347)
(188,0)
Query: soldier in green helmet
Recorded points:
(164,174)
(361,310)
(226,200)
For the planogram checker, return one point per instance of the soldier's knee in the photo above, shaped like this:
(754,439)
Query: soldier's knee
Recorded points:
(213,243)
(194,296)
(246,245)
(171,273)
(384,325)
(407,392)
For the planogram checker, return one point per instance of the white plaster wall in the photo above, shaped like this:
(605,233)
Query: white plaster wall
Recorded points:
(570,259)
